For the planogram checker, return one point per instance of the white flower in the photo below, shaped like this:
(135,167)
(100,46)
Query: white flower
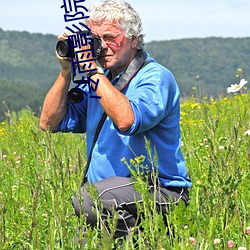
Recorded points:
(221,147)
(217,241)
(237,87)
(192,240)
(22,210)
(242,248)
(247,133)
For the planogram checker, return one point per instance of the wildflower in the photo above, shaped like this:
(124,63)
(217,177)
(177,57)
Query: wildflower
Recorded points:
(240,70)
(137,160)
(230,244)
(216,241)
(247,133)
(237,87)
(248,230)
(195,106)
(198,182)
(221,147)
(14,188)
(242,248)
(192,240)
(132,162)
(45,216)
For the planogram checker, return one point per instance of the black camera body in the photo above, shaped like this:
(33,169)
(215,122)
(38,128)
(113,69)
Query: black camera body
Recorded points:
(65,49)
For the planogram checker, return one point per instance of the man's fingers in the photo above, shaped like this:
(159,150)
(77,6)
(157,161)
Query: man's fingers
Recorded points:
(65,62)
(63,36)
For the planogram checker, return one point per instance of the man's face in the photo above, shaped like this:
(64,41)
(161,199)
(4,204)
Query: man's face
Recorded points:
(118,50)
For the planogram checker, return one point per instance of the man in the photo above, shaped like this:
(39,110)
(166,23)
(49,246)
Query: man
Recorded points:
(145,107)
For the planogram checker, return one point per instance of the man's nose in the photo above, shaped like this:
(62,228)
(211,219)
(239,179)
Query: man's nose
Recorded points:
(104,44)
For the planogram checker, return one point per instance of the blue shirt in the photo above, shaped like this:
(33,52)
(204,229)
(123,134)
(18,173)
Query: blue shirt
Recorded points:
(154,97)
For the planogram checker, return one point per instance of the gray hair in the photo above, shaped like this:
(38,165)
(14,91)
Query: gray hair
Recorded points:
(120,13)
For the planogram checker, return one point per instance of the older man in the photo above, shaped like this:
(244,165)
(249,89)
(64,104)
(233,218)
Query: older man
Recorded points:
(141,100)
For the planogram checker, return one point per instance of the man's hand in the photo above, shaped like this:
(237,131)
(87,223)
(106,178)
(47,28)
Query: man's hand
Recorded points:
(84,57)
(65,62)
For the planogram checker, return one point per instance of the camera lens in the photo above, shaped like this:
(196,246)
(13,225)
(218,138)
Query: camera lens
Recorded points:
(75,95)
(63,49)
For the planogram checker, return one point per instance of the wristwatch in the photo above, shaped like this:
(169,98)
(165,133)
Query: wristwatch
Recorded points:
(98,70)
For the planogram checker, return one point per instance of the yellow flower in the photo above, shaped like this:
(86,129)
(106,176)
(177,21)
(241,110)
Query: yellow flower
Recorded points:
(195,105)
(240,70)
(138,160)
(132,162)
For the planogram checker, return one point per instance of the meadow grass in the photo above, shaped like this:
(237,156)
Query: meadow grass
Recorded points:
(40,172)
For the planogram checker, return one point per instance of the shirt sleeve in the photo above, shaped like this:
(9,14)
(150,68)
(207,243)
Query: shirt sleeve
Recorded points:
(75,118)
(153,97)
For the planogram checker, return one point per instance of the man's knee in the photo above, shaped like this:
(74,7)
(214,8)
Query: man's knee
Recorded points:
(84,205)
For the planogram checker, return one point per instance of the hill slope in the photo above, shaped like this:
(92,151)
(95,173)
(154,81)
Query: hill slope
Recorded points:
(214,60)
(28,66)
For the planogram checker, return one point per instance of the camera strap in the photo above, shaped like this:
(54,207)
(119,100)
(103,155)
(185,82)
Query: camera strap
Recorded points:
(136,64)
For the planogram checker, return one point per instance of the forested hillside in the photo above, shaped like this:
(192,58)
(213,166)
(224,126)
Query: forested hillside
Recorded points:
(28,66)
(209,64)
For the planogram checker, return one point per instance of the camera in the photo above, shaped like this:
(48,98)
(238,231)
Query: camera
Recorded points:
(65,48)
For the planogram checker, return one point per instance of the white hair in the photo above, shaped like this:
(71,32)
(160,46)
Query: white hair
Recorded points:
(120,13)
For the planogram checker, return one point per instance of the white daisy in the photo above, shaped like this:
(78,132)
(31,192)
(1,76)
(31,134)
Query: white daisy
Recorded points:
(237,87)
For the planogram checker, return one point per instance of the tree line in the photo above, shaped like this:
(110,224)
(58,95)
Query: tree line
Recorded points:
(202,67)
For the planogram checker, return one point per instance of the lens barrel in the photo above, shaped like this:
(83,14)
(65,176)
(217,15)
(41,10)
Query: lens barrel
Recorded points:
(75,95)
(63,48)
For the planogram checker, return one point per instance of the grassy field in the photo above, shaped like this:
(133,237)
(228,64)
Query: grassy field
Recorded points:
(40,172)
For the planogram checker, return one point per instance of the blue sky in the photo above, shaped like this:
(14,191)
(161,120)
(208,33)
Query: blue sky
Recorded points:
(162,19)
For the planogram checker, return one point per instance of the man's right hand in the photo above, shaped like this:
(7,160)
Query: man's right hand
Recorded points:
(65,62)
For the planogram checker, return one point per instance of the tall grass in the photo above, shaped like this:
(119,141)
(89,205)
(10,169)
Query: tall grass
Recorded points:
(40,172)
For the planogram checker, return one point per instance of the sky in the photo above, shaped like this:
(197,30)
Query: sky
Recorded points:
(162,19)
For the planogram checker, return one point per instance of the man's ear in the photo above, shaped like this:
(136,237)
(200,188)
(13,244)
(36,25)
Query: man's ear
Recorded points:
(134,42)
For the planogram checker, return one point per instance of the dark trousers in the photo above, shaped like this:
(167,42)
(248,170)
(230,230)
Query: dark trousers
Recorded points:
(119,194)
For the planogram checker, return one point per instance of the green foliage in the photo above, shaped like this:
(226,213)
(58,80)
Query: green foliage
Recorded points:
(40,172)
(202,67)
(36,184)
(28,58)
(14,95)
(28,68)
